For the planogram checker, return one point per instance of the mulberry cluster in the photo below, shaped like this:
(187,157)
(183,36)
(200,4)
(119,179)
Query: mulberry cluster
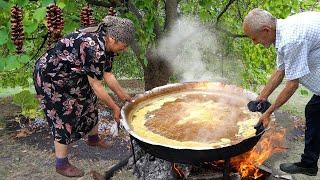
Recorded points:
(86,17)
(17,34)
(112,11)
(55,23)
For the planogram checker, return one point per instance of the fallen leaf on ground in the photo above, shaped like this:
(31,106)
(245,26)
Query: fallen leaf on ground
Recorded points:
(95,175)
(23,133)
(288,177)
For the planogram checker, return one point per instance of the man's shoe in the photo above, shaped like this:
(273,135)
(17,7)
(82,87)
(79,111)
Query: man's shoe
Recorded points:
(70,171)
(298,168)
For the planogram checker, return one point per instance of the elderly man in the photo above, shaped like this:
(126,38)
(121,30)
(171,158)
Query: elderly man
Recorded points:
(297,42)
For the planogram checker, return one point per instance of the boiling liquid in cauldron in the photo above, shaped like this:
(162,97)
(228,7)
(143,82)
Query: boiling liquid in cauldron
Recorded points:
(195,118)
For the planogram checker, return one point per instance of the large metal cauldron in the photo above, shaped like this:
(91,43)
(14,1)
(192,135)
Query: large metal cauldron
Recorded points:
(188,155)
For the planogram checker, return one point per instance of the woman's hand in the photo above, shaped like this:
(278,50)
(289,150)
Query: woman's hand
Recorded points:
(114,85)
(127,97)
(104,96)
(116,114)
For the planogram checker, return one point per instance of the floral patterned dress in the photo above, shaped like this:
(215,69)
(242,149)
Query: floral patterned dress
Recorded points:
(62,86)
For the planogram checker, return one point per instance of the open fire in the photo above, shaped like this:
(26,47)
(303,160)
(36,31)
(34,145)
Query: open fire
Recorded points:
(246,166)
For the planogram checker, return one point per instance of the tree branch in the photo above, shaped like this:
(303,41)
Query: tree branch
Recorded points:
(99,3)
(45,38)
(171,13)
(224,10)
(156,28)
(131,6)
(229,33)
(134,10)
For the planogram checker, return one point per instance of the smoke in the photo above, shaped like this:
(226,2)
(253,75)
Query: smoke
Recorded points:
(192,51)
(187,48)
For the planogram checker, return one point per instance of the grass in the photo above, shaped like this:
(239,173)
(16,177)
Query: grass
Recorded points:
(5,92)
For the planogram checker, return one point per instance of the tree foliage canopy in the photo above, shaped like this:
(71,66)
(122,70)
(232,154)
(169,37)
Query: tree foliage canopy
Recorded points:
(152,20)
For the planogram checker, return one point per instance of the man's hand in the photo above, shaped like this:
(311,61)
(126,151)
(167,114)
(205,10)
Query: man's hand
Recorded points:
(263,123)
(261,98)
(265,119)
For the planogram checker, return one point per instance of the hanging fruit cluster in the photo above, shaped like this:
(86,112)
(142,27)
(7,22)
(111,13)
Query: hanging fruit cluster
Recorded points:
(86,17)
(112,11)
(17,34)
(55,23)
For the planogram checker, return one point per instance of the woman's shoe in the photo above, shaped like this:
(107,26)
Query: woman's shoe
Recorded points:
(70,171)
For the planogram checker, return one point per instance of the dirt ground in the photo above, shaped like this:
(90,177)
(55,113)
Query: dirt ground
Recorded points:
(294,142)
(32,157)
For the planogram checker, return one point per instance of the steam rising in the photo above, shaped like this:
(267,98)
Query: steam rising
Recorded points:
(187,48)
(191,48)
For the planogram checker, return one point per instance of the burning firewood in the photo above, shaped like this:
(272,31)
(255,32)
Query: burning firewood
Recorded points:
(248,164)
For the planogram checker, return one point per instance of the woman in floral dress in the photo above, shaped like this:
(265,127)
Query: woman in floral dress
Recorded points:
(68,82)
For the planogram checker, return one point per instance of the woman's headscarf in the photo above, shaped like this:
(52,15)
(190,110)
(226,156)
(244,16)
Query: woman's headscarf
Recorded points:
(120,29)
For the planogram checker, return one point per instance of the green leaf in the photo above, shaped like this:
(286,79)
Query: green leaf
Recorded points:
(39,14)
(45,3)
(28,102)
(24,58)
(12,63)
(2,64)
(61,4)
(30,26)
(23,98)
(3,36)
(11,46)
(145,61)
(72,25)
(22,3)
(304,92)
(205,2)
(3,4)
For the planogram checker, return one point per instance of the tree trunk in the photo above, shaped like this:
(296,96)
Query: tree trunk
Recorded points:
(157,72)
(171,13)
